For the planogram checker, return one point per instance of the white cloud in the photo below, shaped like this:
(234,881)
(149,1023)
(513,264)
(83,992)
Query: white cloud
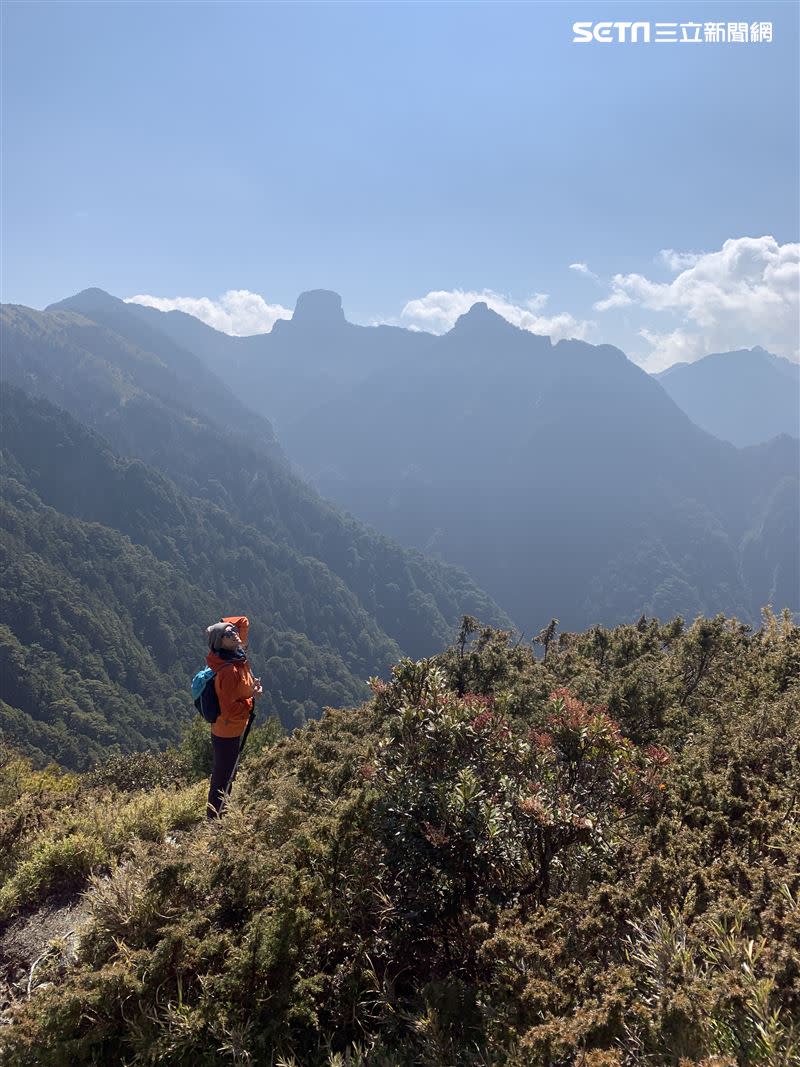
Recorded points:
(679,260)
(437,312)
(582,268)
(675,346)
(237,312)
(745,294)
(616,300)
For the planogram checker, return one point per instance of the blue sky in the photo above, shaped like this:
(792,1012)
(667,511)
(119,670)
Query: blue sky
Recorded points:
(393,151)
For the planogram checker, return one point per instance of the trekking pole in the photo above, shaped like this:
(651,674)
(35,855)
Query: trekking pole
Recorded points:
(239,754)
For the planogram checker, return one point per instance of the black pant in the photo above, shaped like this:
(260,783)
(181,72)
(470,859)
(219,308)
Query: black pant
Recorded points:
(225,750)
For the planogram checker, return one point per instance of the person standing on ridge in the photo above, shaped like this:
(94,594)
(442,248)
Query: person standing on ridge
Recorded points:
(236,690)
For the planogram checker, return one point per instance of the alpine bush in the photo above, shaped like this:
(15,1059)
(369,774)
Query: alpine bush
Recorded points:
(585,852)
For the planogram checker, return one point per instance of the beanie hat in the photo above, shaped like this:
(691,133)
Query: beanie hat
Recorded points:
(214,634)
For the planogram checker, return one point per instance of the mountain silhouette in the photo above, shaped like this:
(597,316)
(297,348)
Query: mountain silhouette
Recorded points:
(562,477)
(744,397)
(317,309)
(301,363)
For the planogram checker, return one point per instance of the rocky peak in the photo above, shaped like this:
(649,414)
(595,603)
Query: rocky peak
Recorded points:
(481,321)
(87,301)
(318,308)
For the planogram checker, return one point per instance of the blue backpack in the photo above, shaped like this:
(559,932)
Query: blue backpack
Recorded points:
(204,694)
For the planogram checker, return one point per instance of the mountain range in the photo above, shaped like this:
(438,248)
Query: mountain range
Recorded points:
(745,397)
(562,477)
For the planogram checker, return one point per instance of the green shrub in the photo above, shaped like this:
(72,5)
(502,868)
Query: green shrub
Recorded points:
(59,865)
(141,771)
(588,860)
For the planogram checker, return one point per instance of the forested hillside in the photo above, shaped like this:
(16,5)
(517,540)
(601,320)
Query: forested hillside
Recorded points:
(111,570)
(587,858)
(110,574)
(221,452)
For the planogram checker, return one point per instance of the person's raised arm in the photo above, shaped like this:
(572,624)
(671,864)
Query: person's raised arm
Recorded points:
(242,624)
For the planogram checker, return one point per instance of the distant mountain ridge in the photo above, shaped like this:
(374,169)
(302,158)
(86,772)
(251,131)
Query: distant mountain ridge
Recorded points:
(301,363)
(545,470)
(563,477)
(317,354)
(745,397)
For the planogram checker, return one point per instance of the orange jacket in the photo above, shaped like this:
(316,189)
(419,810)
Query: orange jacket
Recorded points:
(234,683)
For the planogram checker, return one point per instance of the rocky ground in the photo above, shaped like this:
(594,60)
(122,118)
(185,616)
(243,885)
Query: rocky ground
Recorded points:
(50,934)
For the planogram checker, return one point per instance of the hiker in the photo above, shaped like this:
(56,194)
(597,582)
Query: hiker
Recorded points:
(236,690)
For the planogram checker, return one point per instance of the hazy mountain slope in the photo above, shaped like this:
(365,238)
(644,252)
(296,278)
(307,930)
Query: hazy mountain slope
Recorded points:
(744,397)
(770,547)
(154,364)
(105,381)
(562,477)
(229,558)
(300,364)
